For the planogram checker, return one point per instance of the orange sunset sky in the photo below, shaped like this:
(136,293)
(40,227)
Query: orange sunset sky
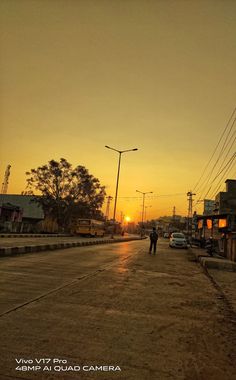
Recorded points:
(157,75)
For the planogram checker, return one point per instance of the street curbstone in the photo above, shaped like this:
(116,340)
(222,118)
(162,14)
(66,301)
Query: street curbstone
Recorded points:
(39,248)
(221,264)
(5,251)
(209,262)
(6,235)
(28,248)
(13,251)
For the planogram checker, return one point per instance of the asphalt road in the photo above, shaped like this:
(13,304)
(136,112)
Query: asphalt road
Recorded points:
(147,317)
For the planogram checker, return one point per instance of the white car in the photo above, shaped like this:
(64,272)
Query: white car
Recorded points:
(177,239)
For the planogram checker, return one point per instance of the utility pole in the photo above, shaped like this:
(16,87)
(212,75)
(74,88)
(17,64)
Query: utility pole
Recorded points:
(190,211)
(174,213)
(141,192)
(142,226)
(109,199)
(6,180)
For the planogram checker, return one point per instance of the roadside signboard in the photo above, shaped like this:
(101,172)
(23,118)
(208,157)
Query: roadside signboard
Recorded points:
(209,206)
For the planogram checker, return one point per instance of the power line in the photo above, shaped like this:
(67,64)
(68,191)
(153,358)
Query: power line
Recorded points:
(222,135)
(214,192)
(225,171)
(154,196)
(227,137)
(217,175)
(216,162)
(228,152)
(220,155)
(230,162)
(220,184)
(232,158)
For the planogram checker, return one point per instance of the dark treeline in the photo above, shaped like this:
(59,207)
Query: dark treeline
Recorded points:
(66,193)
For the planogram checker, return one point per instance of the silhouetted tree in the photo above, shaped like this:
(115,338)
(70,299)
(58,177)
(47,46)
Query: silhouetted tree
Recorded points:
(66,192)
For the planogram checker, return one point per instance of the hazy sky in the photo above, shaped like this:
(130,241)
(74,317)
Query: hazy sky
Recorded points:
(77,75)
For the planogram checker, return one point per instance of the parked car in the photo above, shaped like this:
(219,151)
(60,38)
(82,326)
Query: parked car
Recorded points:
(177,239)
(166,235)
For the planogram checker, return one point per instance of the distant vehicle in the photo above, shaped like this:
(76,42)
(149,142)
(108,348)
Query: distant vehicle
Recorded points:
(177,239)
(89,227)
(166,235)
(113,228)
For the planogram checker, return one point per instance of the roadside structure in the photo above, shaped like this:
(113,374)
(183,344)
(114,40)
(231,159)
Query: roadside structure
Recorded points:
(225,201)
(221,225)
(10,217)
(22,214)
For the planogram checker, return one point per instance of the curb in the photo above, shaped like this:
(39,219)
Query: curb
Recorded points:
(209,262)
(214,263)
(32,235)
(13,251)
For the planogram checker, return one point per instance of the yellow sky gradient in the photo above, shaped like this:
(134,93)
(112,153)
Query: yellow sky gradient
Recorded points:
(79,75)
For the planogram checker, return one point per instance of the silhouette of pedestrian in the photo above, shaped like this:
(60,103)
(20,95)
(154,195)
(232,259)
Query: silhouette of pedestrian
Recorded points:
(153,241)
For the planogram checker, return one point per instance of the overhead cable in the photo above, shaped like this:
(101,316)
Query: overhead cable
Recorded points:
(221,181)
(228,165)
(222,135)
(225,145)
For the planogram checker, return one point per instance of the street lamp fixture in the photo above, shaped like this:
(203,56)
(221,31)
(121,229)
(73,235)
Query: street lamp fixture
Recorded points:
(118,173)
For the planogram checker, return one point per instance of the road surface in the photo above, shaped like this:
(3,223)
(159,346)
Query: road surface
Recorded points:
(113,312)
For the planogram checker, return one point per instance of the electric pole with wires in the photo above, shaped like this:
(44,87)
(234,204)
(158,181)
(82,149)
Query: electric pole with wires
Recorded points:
(190,212)
(174,213)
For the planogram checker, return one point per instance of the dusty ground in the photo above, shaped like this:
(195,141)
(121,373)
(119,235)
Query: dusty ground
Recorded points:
(225,282)
(156,317)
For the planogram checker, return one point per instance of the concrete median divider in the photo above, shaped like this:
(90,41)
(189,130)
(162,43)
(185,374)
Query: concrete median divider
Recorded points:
(6,235)
(19,250)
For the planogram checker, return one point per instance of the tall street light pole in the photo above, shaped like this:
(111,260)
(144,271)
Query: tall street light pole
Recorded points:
(147,192)
(118,173)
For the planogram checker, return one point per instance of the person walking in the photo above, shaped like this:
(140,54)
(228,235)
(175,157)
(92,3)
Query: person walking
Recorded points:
(153,241)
